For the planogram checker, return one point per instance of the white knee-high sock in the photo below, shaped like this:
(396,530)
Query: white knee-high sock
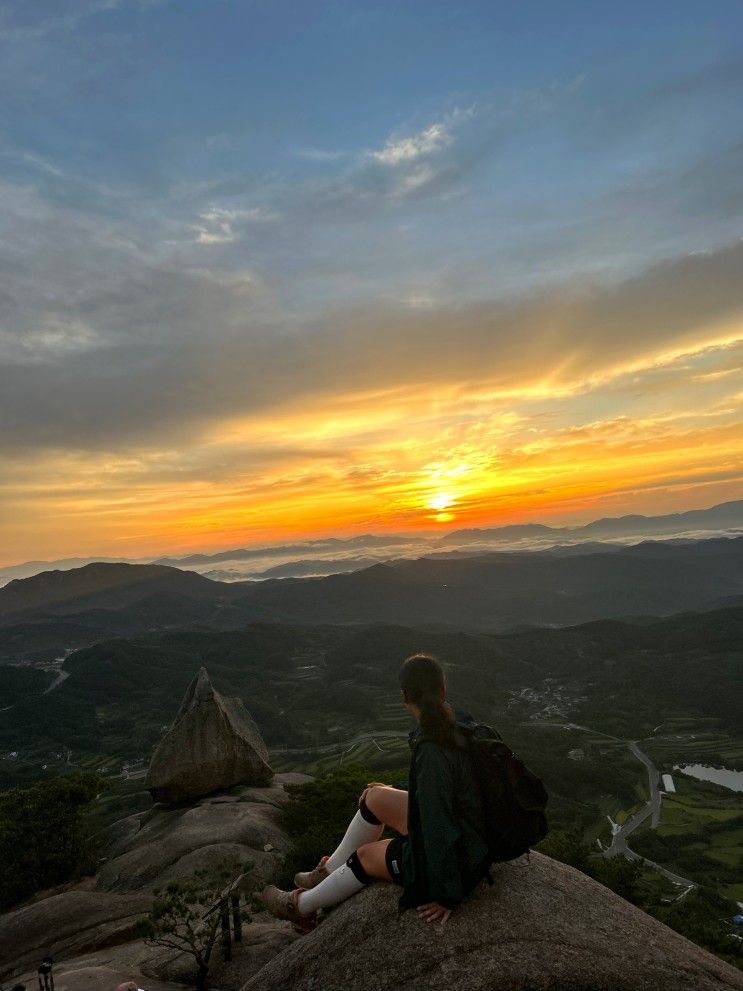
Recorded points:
(338,886)
(358,833)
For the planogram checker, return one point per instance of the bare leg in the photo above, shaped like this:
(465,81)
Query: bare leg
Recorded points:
(366,861)
(390,806)
(380,806)
(373,859)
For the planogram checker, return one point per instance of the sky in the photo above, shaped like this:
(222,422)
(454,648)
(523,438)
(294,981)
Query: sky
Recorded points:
(275,269)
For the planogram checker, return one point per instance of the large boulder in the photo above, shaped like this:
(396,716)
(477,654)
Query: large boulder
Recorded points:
(542,926)
(98,915)
(66,925)
(212,745)
(168,844)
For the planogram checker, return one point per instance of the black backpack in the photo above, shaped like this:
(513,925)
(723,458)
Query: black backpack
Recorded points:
(513,797)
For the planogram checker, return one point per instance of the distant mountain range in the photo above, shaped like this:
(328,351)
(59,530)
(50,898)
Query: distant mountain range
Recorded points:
(725,516)
(503,590)
(488,592)
(327,545)
(342,554)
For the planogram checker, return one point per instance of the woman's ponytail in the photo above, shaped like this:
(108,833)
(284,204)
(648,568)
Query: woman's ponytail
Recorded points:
(423,683)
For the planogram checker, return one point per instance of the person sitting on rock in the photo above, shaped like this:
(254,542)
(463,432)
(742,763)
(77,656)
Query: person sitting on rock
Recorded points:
(439,854)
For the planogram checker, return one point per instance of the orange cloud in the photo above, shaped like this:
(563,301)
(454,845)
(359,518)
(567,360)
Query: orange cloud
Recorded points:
(557,416)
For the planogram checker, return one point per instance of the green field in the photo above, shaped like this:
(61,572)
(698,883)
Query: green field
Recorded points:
(693,740)
(700,834)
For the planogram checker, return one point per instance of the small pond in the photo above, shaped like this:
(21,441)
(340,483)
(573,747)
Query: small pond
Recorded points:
(718,775)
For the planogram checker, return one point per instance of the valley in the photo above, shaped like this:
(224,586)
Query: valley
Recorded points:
(331,701)
(599,709)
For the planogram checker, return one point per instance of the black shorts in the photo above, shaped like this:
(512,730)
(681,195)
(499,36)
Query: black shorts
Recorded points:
(393,858)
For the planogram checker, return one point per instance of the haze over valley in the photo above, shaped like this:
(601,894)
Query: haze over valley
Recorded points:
(585,652)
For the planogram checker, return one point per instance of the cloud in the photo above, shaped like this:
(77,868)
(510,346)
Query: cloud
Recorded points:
(321,154)
(171,437)
(216,227)
(553,340)
(24,21)
(430,140)
(723,74)
(406,167)
(222,226)
(53,338)
(131,346)
(356,184)
(40,163)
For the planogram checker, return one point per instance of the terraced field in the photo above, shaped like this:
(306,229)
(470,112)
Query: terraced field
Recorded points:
(693,739)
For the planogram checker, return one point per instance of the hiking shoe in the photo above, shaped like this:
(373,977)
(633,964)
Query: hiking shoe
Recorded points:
(311,879)
(283,905)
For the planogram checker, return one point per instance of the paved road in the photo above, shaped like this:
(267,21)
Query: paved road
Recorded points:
(618,843)
(62,676)
(652,808)
(619,839)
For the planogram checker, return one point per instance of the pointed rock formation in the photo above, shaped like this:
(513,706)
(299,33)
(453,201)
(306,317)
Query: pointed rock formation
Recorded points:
(212,745)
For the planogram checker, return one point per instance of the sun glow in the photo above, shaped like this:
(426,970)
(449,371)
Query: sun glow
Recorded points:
(441,501)
(369,462)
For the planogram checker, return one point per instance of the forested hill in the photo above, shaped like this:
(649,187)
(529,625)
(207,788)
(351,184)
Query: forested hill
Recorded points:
(620,678)
(105,586)
(489,592)
(502,591)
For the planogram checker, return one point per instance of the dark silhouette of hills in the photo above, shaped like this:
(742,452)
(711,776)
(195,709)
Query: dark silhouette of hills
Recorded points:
(101,586)
(726,515)
(46,615)
(489,592)
(536,536)
(504,590)
(120,692)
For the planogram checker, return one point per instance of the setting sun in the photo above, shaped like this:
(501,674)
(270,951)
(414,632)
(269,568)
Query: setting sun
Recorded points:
(284,328)
(441,501)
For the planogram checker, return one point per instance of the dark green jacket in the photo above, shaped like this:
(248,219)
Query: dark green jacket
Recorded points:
(445,856)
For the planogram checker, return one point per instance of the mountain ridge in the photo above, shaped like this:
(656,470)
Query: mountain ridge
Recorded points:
(86,585)
(487,592)
(724,515)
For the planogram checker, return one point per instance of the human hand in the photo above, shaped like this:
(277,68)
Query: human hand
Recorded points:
(433,912)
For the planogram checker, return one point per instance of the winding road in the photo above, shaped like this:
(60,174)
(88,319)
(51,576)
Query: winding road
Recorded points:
(61,677)
(618,843)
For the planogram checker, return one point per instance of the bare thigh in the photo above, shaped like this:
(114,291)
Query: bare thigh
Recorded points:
(374,860)
(390,806)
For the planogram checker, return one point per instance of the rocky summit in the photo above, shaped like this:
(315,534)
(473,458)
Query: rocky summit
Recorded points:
(542,926)
(89,927)
(212,745)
